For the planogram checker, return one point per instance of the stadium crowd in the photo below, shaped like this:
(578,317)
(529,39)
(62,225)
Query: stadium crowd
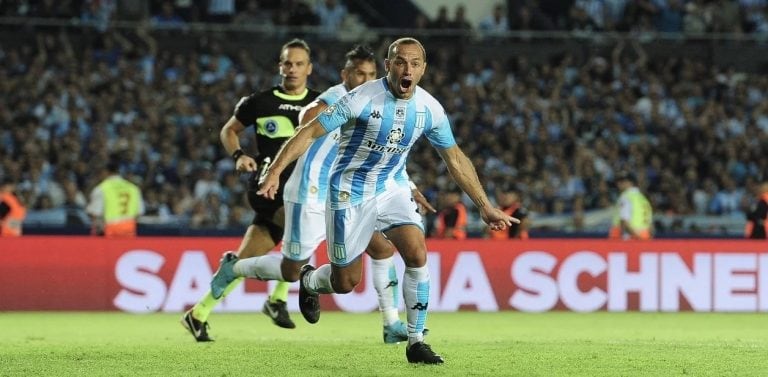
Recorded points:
(693,133)
(689,16)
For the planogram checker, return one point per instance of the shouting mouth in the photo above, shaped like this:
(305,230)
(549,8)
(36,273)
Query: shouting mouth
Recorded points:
(405,83)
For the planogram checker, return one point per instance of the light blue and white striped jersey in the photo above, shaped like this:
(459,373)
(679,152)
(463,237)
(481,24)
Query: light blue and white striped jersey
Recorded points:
(308,182)
(377,132)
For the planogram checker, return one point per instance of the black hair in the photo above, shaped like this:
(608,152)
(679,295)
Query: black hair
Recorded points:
(113,164)
(360,52)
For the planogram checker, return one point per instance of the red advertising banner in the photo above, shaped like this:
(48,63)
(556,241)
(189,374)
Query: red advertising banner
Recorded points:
(149,274)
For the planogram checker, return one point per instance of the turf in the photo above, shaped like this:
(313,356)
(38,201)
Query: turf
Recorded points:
(473,344)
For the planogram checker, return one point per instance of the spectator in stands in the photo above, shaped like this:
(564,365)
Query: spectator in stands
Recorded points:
(441,21)
(254,16)
(12,211)
(167,18)
(530,16)
(589,15)
(331,15)
(460,19)
(496,23)
(220,11)
(757,216)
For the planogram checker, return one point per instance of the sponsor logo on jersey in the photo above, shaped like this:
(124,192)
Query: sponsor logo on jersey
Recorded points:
(288,106)
(395,136)
(383,148)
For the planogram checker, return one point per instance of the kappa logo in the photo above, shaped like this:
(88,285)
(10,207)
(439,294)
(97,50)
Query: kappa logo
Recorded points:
(395,136)
(420,306)
(375,114)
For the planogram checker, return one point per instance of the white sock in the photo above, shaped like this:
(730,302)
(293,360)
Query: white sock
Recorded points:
(384,277)
(416,296)
(319,280)
(265,267)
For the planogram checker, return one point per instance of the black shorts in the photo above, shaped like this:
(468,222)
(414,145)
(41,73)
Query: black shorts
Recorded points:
(266,208)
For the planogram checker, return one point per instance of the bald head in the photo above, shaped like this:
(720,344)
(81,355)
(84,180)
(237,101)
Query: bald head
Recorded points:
(392,51)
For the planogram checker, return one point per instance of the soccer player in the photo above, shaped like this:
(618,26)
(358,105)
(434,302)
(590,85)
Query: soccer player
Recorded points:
(274,113)
(305,197)
(379,122)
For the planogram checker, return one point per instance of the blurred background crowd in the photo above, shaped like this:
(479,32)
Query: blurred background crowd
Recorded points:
(81,80)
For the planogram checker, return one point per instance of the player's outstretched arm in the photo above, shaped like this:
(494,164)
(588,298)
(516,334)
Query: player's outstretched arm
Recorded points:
(294,147)
(463,172)
(310,112)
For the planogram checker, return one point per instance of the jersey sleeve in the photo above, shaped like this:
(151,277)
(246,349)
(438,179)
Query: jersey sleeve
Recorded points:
(246,110)
(339,113)
(439,133)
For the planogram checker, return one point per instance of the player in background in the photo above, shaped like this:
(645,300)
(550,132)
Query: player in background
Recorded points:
(379,122)
(274,112)
(305,196)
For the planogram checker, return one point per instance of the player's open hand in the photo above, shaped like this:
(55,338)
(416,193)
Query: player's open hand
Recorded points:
(497,219)
(422,201)
(269,185)
(246,164)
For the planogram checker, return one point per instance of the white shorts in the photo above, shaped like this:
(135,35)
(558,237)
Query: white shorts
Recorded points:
(304,229)
(349,230)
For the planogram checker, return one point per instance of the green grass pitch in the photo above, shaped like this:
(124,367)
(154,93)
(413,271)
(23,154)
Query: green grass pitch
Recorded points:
(473,344)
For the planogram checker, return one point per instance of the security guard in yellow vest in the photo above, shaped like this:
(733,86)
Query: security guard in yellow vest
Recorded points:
(633,218)
(114,205)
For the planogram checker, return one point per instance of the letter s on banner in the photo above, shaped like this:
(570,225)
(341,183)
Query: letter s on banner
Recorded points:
(143,291)
(536,291)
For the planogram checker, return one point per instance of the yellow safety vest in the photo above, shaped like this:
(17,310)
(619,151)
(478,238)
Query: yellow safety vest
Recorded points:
(121,206)
(642,213)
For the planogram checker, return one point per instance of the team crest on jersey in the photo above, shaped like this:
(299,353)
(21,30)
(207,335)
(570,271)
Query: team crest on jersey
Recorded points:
(270,126)
(343,196)
(313,189)
(395,136)
(421,119)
